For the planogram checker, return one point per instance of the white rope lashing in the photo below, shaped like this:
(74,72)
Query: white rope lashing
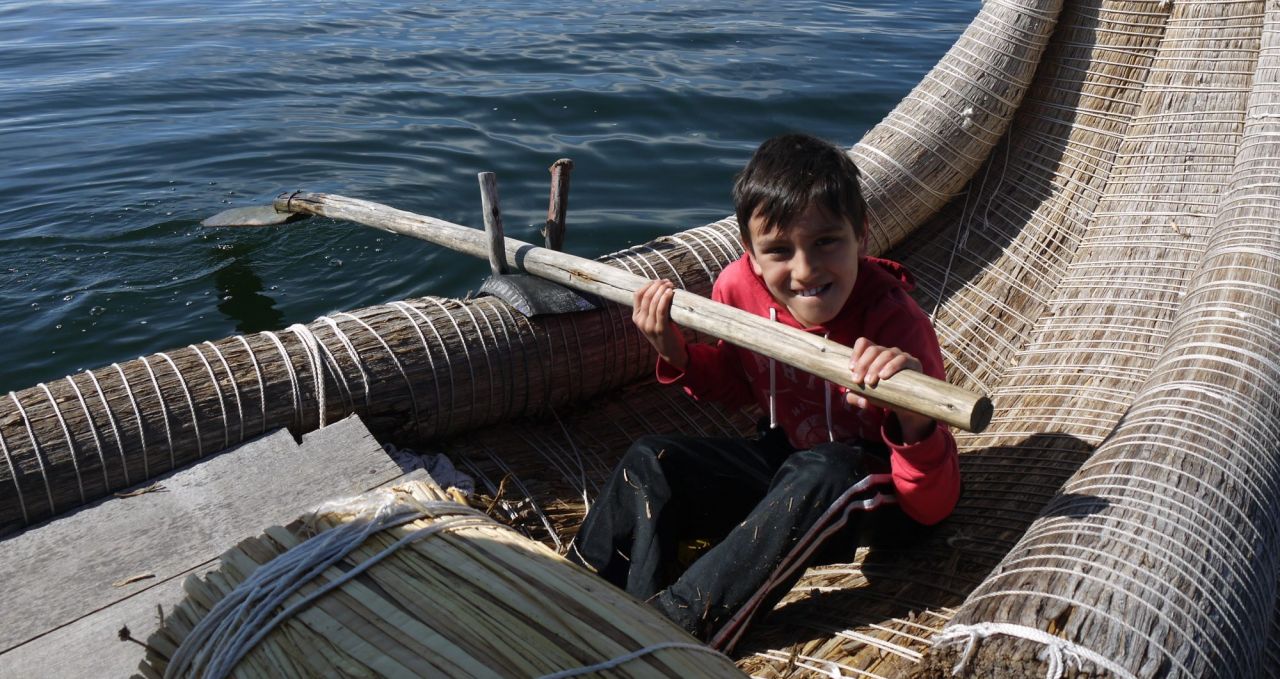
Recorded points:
(13,476)
(488,360)
(293,376)
(48,489)
(674,270)
(465,351)
(413,397)
(137,414)
(115,429)
(222,407)
(164,412)
(351,351)
(262,385)
(93,429)
(1058,653)
(316,360)
(191,403)
(235,387)
(694,251)
(66,432)
(442,407)
(426,348)
(499,310)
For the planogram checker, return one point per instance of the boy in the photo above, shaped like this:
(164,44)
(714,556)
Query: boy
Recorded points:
(819,465)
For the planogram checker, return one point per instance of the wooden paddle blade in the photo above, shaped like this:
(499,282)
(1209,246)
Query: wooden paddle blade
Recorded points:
(256,215)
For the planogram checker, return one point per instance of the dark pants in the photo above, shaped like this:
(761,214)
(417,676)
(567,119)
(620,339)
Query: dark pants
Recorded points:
(771,509)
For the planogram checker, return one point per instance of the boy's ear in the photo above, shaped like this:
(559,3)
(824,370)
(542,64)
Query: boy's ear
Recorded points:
(751,257)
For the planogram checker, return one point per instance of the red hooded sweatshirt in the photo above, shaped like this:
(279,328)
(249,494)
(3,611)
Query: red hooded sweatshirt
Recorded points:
(926,474)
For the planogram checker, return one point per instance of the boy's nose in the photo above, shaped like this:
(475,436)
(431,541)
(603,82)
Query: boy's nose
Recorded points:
(801,267)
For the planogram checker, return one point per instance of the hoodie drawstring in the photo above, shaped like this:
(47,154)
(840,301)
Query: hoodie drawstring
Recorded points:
(773,380)
(773,388)
(826,388)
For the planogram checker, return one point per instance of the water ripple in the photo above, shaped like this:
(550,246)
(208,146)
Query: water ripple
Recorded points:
(124,124)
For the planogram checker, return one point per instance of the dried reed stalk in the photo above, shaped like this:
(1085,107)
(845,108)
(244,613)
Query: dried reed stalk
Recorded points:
(469,600)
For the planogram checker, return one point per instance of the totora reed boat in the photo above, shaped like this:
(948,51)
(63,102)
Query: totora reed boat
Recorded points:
(1087,193)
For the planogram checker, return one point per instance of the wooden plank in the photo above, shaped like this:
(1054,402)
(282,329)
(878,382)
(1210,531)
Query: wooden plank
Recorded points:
(90,646)
(60,607)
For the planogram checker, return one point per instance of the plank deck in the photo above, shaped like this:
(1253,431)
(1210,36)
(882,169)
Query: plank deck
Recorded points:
(62,605)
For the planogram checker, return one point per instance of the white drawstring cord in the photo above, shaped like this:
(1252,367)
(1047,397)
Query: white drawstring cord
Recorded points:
(773,380)
(826,389)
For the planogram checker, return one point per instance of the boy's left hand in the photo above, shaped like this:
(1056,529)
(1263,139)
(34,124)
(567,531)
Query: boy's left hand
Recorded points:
(871,363)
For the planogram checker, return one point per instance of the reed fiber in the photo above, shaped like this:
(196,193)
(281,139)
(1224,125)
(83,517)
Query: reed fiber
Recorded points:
(470,599)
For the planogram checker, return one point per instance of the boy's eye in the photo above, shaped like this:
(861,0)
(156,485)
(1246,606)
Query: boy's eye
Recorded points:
(827,240)
(777,251)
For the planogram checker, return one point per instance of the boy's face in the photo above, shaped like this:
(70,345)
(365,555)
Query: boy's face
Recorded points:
(809,267)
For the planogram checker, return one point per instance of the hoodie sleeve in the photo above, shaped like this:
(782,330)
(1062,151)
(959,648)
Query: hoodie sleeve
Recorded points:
(926,474)
(714,372)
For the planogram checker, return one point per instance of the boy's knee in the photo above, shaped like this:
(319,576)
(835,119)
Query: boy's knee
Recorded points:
(645,451)
(833,467)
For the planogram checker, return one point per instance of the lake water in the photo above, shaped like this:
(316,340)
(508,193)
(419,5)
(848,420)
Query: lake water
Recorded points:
(124,124)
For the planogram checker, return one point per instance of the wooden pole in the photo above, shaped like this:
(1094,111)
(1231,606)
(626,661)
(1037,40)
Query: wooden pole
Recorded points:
(559,204)
(492,222)
(818,356)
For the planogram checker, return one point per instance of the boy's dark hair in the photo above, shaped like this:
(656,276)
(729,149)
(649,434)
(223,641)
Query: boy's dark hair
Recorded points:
(790,172)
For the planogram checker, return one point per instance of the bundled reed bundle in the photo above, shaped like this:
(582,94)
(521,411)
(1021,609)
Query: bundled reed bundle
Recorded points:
(404,582)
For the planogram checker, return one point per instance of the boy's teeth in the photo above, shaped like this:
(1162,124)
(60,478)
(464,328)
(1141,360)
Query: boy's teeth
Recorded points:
(811,291)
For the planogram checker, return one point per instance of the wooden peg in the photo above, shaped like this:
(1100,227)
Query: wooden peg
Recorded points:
(493,222)
(554,230)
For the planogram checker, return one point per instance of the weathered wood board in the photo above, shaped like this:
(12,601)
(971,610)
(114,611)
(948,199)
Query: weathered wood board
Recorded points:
(60,609)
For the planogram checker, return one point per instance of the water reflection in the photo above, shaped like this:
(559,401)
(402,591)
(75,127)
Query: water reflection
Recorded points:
(240,291)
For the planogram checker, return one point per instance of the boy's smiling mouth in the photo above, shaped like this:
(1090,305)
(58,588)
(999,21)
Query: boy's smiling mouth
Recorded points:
(813,292)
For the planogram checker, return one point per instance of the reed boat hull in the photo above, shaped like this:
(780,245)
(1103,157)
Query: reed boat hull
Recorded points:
(1086,197)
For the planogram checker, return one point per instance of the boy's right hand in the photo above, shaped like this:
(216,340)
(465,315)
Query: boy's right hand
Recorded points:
(652,315)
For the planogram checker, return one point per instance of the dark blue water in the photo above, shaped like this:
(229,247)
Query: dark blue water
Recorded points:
(124,124)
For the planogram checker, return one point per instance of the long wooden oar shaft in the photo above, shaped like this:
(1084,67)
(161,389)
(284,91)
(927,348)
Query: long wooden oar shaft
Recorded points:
(821,357)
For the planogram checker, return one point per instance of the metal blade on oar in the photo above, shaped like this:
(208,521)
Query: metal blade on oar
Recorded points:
(815,355)
(254,215)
